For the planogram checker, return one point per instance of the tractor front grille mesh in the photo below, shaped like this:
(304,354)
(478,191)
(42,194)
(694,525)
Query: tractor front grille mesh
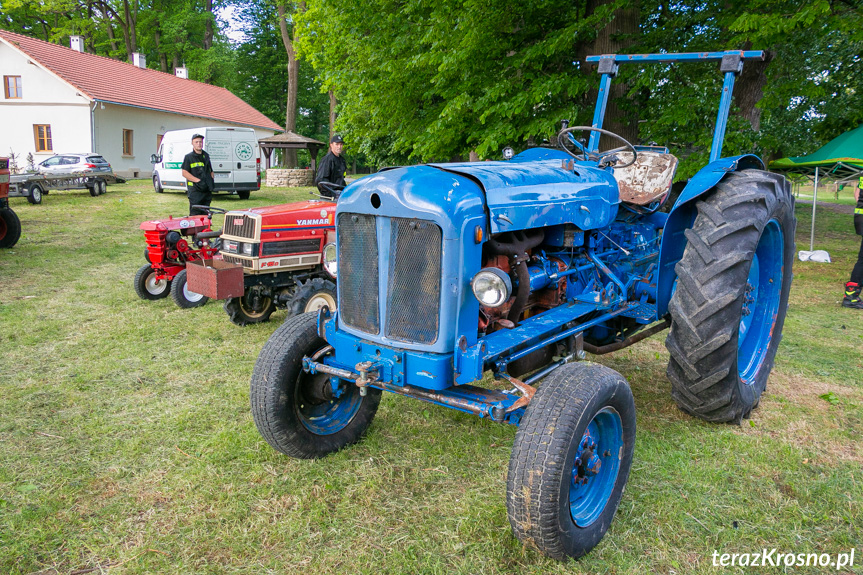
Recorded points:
(241,226)
(239,261)
(291,247)
(358,272)
(413,295)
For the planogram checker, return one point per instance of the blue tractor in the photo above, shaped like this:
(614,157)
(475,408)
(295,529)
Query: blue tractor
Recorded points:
(511,270)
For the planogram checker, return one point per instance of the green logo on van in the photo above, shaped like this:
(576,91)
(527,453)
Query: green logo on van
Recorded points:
(244,151)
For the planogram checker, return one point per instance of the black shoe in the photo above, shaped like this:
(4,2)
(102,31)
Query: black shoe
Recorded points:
(852,302)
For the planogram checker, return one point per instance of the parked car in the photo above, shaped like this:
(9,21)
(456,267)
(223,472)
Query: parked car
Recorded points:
(75,164)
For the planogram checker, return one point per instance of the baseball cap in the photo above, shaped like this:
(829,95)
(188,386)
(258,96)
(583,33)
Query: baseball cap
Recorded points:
(336,139)
(196,136)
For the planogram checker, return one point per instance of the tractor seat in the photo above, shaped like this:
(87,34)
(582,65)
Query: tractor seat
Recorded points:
(648,179)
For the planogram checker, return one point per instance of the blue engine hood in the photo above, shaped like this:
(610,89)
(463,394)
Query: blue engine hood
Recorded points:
(526,193)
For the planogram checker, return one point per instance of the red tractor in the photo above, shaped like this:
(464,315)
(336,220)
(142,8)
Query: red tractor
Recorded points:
(288,257)
(10,225)
(171,244)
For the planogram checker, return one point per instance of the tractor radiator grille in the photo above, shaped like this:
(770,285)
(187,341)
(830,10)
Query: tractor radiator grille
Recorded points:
(291,247)
(241,226)
(358,272)
(413,295)
(239,261)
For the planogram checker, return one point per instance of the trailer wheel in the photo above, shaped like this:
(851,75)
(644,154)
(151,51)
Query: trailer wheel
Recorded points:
(157,184)
(148,287)
(312,296)
(91,187)
(245,310)
(299,413)
(101,187)
(10,228)
(183,296)
(244,195)
(570,460)
(732,294)
(34,194)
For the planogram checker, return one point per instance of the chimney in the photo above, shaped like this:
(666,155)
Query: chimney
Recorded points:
(77,43)
(139,60)
(181,72)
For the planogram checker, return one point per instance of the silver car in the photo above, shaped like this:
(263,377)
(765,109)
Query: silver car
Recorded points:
(76,164)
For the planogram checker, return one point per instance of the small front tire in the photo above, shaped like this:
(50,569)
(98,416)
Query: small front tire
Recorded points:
(244,310)
(571,460)
(148,287)
(312,296)
(183,296)
(298,413)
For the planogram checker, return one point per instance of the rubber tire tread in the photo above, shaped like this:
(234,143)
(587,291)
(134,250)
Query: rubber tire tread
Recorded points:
(141,282)
(157,184)
(707,305)
(34,194)
(234,309)
(244,195)
(306,291)
(540,467)
(179,297)
(13,228)
(276,371)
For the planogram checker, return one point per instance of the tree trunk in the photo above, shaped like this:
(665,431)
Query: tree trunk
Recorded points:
(163,58)
(333,104)
(619,34)
(208,29)
(110,28)
(749,87)
(293,76)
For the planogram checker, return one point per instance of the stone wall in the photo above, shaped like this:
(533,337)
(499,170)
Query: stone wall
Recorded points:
(277,177)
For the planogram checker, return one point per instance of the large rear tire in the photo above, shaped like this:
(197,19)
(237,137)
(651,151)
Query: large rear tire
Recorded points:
(570,460)
(732,295)
(10,228)
(296,412)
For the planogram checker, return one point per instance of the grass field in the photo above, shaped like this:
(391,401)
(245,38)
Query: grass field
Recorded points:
(127,444)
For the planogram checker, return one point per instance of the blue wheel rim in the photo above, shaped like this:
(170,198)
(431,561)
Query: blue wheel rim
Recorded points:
(760,302)
(589,492)
(325,417)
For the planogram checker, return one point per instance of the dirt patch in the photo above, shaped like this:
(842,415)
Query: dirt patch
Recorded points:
(838,208)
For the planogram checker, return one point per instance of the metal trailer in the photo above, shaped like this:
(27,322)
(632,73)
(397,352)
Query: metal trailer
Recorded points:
(33,185)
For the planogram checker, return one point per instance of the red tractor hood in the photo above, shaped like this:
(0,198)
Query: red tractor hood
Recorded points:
(309,214)
(184,223)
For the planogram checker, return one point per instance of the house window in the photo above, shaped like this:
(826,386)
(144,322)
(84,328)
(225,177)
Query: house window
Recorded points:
(12,87)
(42,135)
(127,142)
(159,140)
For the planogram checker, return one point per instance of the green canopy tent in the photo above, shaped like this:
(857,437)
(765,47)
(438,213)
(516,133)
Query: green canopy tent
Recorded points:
(840,159)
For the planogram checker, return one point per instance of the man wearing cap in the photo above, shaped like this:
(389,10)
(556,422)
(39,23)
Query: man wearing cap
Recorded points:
(332,168)
(198,172)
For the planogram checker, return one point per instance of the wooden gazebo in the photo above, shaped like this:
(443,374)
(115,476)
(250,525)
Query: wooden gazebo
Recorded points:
(290,140)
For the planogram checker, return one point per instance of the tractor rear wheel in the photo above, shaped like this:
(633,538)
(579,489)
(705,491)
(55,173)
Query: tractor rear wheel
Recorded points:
(731,297)
(570,460)
(10,228)
(183,296)
(298,413)
(148,287)
(312,296)
(34,194)
(247,309)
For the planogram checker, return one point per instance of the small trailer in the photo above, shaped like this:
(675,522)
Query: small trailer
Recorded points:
(33,185)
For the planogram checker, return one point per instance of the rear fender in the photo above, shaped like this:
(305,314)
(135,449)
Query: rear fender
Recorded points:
(682,217)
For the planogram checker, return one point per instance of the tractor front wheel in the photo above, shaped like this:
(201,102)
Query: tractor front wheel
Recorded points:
(312,296)
(148,287)
(183,296)
(249,308)
(570,460)
(732,291)
(300,414)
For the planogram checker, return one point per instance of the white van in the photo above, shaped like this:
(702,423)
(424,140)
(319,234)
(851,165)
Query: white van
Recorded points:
(233,152)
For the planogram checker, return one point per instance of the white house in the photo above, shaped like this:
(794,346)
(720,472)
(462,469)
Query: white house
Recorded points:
(62,100)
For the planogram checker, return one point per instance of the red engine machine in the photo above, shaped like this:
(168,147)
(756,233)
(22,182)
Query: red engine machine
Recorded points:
(171,244)
(288,256)
(10,225)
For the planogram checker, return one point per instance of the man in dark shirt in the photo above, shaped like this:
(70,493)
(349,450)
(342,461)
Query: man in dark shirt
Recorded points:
(331,171)
(198,172)
(854,286)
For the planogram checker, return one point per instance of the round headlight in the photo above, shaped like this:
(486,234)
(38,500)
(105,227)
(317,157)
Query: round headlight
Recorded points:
(331,264)
(491,286)
(508,153)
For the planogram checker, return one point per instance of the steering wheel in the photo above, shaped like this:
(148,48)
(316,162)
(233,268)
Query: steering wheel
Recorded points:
(566,135)
(210,210)
(330,190)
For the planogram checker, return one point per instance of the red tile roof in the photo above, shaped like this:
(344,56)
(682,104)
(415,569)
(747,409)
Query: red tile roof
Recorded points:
(108,80)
